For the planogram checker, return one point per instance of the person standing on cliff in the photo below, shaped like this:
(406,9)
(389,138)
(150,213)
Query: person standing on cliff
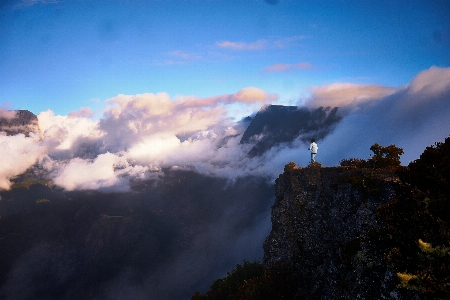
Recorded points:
(313,147)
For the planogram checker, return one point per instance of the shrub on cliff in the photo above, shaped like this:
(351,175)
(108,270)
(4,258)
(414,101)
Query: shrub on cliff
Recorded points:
(290,166)
(315,164)
(251,281)
(431,172)
(354,162)
(383,157)
(414,232)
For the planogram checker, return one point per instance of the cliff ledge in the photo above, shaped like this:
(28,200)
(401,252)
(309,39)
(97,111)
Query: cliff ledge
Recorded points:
(319,224)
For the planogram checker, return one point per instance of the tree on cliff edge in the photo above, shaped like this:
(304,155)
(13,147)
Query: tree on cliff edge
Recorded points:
(383,157)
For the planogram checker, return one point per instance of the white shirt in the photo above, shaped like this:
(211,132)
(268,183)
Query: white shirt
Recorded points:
(313,147)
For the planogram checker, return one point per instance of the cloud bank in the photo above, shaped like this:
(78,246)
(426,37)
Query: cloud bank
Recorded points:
(17,154)
(140,135)
(412,117)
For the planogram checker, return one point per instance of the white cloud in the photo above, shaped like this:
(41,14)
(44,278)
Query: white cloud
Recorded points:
(288,41)
(17,154)
(412,117)
(84,112)
(252,94)
(138,135)
(181,57)
(64,132)
(261,44)
(433,81)
(106,171)
(343,94)
(280,67)
(154,148)
(248,95)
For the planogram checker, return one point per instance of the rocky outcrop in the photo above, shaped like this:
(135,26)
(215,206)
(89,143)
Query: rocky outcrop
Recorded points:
(320,222)
(19,121)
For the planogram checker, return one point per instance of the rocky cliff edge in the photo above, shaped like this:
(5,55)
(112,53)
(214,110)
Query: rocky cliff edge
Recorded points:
(319,222)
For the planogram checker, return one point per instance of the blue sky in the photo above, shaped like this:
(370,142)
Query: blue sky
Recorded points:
(125,90)
(63,55)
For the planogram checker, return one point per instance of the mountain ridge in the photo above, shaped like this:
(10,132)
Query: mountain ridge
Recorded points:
(277,124)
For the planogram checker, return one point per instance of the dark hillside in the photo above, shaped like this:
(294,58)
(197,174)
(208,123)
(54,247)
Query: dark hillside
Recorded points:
(276,124)
(140,244)
(67,249)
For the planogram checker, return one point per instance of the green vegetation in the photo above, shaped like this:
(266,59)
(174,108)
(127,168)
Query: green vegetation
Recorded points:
(414,233)
(354,162)
(385,160)
(315,164)
(383,157)
(42,201)
(369,184)
(27,182)
(291,166)
(251,281)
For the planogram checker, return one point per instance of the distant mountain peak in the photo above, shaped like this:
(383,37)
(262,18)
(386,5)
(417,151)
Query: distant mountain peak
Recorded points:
(277,124)
(14,122)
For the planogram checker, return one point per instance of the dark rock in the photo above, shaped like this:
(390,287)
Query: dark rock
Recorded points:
(320,222)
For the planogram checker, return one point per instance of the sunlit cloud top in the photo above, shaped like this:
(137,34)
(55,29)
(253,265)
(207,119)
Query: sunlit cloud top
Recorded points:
(139,135)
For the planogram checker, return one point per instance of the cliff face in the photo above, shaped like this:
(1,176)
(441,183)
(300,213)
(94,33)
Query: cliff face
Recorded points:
(23,121)
(320,222)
